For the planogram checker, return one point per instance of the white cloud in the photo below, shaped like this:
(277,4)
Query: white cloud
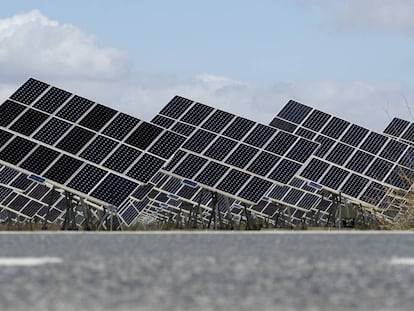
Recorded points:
(33,45)
(376,15)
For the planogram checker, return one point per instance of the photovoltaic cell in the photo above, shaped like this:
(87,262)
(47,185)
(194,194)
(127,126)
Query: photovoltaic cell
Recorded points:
(302,132)
(238,128)
(211,174)
(255,189)
(409,133)
(75,140)
(9,111)
(340,154)
(98,149)
(75,108)
(218,121)
(285,171)
(162,121)
(316,120)
(63,169)
(242,155)
(16,150)
(97,117)
(114,189)
(29,122)
(144,135)
(29,91)
(359,161)
(4,137)
(39,159)
(302,150)
(294,112)
(167,144)
(393,150)
(314,169)
(354,135)
(263,163)
(190,166)
(176,107)
(183,129)
(408,158)
(374,143)
(120,126)
(334,177)
(52,131)
(220,148)
(335,128)
(196,114)
(281,143)
(396,127)
(122,158)
(145,168)
(87,178)
(283,125)
(233,181)
(379,169)
(326,144)
(199,141)
(259,135)
(52,100)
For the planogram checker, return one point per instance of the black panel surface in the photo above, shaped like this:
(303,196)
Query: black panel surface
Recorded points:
(314,170)
(97,117)
(190,166)
(255,189)
(285,171)
(374,142)
(167,145)
(144,135)
(52,131)
(98,149)
(217,121)
(75,140)
(281,143)
(334,177)
(52,100)
(196,114)
(145,168)
(120,126)
(9,111)
(354,135)
(114,189)
(238,128)
(393,150)
(263,163)
(294,112)
(87,178)
(122,158)
(283,125)
(39,159)
(234,180)
(302,150)
(29,91)
(176,107)
(16,150)
(242,155)
(220,148)
(335,127)
(259,135)
(379,169)
(316,120)
(63,169)
(211,174)
(199,141)
(396,127)
(75,108)
(340,153)
(29,122)
(359,161)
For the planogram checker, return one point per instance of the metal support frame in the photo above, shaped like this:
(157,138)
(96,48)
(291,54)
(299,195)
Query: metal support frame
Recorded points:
(69,222)
(110,214)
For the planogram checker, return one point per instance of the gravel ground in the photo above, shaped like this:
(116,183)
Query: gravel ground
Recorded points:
(207,271)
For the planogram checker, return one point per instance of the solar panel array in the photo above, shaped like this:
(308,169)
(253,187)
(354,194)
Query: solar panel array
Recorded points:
(90,149)
(188,153)
(362,164)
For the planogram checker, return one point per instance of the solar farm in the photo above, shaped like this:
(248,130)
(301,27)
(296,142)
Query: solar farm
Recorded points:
(69,161)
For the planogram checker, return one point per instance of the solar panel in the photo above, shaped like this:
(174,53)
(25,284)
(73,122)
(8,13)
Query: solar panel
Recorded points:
(351,159)
(63,137)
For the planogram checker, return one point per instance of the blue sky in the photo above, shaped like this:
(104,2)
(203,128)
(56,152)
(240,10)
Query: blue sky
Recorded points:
(347,57)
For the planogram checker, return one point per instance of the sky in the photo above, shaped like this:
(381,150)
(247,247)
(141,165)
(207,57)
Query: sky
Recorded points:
(350,58)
